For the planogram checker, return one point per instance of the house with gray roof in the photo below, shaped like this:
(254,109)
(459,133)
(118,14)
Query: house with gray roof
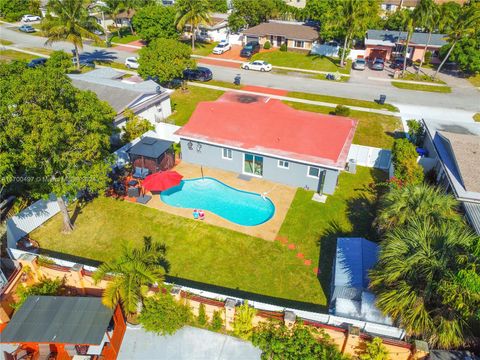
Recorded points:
(386,44)
(146,99)
(454,150)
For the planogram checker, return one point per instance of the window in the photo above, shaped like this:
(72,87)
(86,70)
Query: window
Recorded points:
(227,154)
(299,44)
(283,164)
(313,172)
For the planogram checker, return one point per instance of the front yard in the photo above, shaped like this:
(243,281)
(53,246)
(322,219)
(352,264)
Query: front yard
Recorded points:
(217,256)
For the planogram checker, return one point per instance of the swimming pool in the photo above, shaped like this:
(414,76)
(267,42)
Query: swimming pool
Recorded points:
(241,207)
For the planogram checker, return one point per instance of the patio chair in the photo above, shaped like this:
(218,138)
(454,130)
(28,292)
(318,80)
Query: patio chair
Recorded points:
(140,173)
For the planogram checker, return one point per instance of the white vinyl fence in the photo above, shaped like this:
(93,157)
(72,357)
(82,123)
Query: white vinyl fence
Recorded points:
(325,50)
(370,156)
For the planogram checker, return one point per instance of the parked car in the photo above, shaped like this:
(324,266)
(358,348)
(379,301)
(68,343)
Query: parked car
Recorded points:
(252,47)
(29,18)
(222,47)
(131,62)
(37,62)
(398,63)
(198,74)
(258,65)
(27,29)
(359,64)
(377,64)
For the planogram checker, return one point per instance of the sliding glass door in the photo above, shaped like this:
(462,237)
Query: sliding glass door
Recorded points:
(253,165)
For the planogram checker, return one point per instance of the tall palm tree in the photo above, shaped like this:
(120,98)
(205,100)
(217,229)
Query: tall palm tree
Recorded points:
(113,8)
(193,13)
(133,271)
(416,264)
(427,15)
(409,29)
(398,206)
(464,27)
(68,20)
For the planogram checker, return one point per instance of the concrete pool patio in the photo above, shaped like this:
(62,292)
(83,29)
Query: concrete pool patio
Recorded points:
(281,196)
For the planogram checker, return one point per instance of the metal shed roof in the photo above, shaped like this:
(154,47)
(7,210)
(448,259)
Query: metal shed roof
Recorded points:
(150,147)
(57,319)
(473,214)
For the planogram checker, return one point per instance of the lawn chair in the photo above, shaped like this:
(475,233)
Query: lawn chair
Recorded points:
(140,173)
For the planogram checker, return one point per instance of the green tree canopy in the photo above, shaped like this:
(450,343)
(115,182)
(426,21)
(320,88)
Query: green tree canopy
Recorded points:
(375,350)
(164,59)
(252,12)
(416,280)
(162,314)
(60,59)
(466,54)
(13,10)
(404,157)
(278,341)
(156,21)
(397,19)
(44,287)
(54,136)
(135,126)
(219,6)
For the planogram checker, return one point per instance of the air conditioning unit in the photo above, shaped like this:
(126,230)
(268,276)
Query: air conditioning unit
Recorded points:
(352,166)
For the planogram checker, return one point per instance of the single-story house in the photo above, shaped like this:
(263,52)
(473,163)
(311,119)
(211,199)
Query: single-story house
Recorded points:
(146,99)
(297,35)
(454,149)
(385,44)
(297,3)
(350,295)
(394,5)
(217,29)
(261,137)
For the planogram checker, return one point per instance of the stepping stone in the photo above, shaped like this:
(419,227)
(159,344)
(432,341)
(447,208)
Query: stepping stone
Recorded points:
(300,256)
(282,239)
(316,271)
(291,246)
(308,262)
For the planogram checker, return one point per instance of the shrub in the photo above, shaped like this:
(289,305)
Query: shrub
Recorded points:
(342,110)
(416,132)
(202,316)
(404,157)
(60,59)
(217,321)
(267,45)
(44,287)
(283,47)
(427,57)
(375,350)
(163,315)
(243,327)
(135,126)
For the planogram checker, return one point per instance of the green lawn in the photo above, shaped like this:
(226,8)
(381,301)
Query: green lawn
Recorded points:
(212,255)
(10,55)
(421,87)
(474,80)
(184,102)
(476,117)
(302,61)
(373,129)
(341,100)
(422,78)
(202,49)
(125,36)
(5,42)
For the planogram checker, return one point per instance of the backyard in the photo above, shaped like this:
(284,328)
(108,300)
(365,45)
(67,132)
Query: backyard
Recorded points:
(207,256)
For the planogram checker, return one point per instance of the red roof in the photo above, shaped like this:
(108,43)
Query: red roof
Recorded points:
(267,126)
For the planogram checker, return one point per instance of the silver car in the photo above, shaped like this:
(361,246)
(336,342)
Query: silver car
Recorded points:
(359,64)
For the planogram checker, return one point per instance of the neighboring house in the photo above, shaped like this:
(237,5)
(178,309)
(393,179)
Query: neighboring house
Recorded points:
(350,295)
(217,29)
(146,99)
(455,152)
(297,3)
(262,137)
(386,44)
(297,35)
(394,5)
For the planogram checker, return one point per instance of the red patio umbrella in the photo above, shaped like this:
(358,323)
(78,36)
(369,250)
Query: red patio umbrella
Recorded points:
(161,181)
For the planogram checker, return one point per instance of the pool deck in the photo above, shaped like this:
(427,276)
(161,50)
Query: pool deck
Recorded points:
(281,196)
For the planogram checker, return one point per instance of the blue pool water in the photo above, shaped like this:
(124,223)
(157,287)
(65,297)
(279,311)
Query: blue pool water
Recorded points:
(241,207)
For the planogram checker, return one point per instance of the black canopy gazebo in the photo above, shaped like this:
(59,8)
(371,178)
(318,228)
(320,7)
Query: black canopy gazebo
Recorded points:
(152,154)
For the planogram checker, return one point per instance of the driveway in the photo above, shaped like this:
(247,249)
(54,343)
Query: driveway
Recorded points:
(186,344)
(234,54)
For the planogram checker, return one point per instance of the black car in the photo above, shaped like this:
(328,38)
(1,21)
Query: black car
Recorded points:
(398,63)
(37,62)
(198,74)
(252,47)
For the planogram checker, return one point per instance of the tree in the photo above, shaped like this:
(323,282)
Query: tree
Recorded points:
(242,326)
(68,20)
(277,341)
(156,21)
(465,27)
(219,6)
(375,350)
(409,29)
(135,126)
(60,59)
(193,13)
(416,263)
(164,59)
(112,8)
(398,206)
(396,20)
(44,287)
(163,315)
(427,15)
(404,158)
(53,135)
(217,321)
(202,315)
(133,272)
(13,10)
(466,54)
(416,131)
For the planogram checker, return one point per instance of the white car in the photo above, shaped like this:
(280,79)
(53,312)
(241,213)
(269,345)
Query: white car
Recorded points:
(29,18)
(131,63)
(221,48)
(258,65)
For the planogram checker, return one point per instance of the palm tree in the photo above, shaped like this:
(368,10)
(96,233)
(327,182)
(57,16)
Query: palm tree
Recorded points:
(464,27)
(415,276)
(133,272)
(70,22)
(193,13)
(398,206)
(113,8)
(407,42)
(427,15)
